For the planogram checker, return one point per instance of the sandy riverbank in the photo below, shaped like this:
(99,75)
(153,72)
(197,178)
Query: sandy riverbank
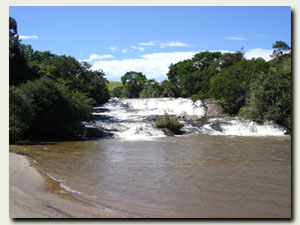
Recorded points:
(28,197)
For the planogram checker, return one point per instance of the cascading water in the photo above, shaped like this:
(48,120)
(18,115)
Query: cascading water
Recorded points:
(133,119)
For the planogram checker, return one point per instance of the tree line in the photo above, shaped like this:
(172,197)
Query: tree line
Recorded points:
(49,95)
(251,88)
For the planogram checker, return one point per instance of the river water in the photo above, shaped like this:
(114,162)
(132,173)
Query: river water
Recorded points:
(143,173)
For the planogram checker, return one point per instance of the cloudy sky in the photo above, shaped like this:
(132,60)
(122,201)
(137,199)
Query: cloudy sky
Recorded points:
(149,39)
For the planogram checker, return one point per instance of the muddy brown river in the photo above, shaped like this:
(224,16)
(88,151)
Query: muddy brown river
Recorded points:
(199,176)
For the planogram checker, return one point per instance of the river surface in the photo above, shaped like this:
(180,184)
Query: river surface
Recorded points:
(193,176)
(243,169)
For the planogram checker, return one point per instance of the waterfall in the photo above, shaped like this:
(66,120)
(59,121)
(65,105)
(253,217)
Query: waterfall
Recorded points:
(133,119)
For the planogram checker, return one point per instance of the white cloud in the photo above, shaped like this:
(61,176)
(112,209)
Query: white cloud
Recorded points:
(154,66)
(258,52)
(149,43)
(28,37)
(137,48)
(113,48)
(236,38)
(124,51)
(93,57)
(173,44)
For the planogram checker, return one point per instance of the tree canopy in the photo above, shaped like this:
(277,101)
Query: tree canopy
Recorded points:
(50,95)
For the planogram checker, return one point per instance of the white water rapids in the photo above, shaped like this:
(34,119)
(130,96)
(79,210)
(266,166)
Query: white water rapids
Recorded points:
(133,119)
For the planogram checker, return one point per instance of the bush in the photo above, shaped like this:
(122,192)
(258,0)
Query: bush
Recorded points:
(21,114)
(199,96)
(151,91)
(117,92)
(166,122)
(45,109)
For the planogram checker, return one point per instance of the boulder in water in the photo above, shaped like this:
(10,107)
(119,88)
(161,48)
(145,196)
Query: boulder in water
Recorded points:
(213,108)
(94,132)
(216,126)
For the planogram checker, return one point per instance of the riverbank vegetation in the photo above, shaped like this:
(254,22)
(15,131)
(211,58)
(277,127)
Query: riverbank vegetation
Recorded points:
(49,95)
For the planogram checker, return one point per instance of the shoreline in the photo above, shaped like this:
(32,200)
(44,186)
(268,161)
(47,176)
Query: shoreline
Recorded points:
(29,197)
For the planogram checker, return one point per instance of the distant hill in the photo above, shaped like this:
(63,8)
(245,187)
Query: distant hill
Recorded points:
(113,84)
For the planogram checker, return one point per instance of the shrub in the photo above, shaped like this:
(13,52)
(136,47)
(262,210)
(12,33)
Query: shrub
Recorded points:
(45,109)
(200,96)
(166,122)
(117,92)
(21,114)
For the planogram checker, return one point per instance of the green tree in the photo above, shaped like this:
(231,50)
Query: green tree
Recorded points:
(270,95)
(280,48)
(192,76)
(231,85)
(58,111)
(152,89)
(117,92)
(133,84)
(18,69)
(21,114)
(50,95)
(168,89)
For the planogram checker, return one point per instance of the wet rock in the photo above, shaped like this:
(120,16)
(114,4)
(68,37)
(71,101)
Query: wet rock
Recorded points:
(216,126)
(168,132)
(213,108)
(94,132)
(192,118)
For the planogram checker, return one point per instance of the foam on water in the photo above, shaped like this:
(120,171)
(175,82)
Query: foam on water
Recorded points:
(241,127)
(133,119)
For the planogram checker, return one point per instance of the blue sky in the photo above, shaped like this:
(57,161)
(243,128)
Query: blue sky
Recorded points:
(148,39)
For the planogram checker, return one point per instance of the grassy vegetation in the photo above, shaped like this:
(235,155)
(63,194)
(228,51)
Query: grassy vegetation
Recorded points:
(113,84)
(171,124)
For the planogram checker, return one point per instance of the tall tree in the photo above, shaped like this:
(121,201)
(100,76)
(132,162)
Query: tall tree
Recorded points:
(280,48)
(17,63)
(133,83)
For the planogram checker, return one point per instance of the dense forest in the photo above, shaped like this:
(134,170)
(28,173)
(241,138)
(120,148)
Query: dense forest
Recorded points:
(51,95)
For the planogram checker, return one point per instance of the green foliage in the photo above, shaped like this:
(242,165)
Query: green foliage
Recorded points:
(94,84)
(152,89)
(230,86)
(192,76)
(270,96)
(56,110)
(117,92)
(133,84)
(18,69)
(49,95)
(21,114)
(280,48)
(200,96)
(166,122)
(168,89)
(115,88)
